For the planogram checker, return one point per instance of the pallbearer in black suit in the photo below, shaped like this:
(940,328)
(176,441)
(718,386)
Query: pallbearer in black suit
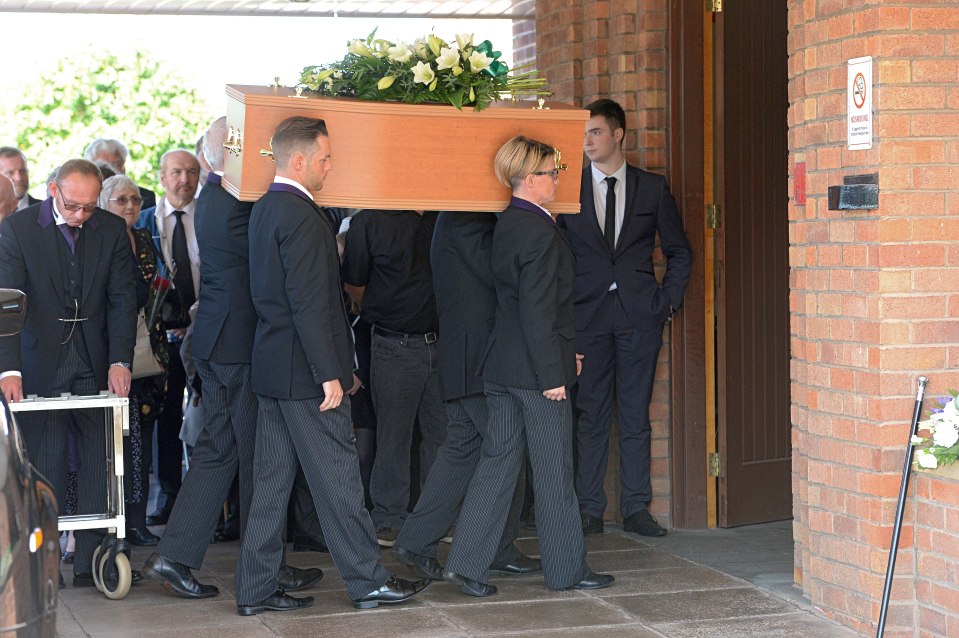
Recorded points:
(13,166)
(466,303)
(222,344)
(73,260)
(530,364)
(302,360)
(620,310)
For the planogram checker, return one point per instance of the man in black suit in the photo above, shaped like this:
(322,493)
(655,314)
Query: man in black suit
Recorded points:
(620,310)
(8,198)
(115,153)
(73,261)
(466,303)
(13,166)
(222,345)
(302,360)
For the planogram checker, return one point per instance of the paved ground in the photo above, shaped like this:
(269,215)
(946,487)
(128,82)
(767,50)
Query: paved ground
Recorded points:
(664,588)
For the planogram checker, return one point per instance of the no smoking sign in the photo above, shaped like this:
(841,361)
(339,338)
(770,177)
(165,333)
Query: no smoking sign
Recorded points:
(859,102)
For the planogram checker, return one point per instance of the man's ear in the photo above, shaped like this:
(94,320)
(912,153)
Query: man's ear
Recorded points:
(618,135)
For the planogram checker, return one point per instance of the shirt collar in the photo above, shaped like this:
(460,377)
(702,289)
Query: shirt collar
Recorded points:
(599,176)
(285,180)
(166,208)
(57,217)
(24,201)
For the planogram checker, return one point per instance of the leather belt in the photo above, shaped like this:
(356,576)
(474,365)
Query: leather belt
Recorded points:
(428,338)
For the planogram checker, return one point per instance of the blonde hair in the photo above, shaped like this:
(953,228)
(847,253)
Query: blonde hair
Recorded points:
(519,157)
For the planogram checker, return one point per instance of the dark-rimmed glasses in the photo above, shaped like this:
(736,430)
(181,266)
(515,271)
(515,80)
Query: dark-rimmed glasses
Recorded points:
(74,207)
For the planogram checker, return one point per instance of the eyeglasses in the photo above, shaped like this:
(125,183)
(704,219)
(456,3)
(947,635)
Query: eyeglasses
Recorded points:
(123,200)
(554,173)
(74,207)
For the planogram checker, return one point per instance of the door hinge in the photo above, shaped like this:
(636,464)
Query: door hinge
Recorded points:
(715,6)
(712,216)
(717,465)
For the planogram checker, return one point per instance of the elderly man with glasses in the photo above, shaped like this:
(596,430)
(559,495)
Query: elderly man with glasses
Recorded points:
(72,259)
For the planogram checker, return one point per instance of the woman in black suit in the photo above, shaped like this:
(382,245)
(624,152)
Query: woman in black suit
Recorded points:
(529,367)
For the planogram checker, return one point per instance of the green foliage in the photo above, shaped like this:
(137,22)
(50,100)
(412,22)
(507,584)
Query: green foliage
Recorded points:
(129,97)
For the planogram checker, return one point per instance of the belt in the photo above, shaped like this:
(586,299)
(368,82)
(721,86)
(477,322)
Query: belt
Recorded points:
(428,338)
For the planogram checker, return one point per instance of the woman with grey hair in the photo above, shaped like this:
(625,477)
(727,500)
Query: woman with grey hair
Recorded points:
(121,197)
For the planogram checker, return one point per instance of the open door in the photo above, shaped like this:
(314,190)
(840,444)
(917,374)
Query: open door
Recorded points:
(752,266)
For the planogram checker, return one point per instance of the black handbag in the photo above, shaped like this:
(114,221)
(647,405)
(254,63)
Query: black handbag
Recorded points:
(173,313)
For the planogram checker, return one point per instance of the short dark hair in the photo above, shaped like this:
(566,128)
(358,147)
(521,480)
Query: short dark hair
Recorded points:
(296,135)
(77,167)
(12,151)
(613,113)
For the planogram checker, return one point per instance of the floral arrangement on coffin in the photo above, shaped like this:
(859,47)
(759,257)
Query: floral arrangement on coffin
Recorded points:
(428,70)
(943,440)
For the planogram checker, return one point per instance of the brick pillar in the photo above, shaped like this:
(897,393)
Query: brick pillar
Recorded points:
(874,294)
(589,49)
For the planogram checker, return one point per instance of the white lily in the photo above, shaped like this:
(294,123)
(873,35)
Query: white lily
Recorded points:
(400,53)
(423,73)
(421,49)
(385,82)
(464,40)
(435,44)
(447,59)
(479,61)
(358,47)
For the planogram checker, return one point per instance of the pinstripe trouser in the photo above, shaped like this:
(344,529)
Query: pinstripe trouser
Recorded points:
(449,480)
(45,436)
(225,444)
(323,442)
(548,430)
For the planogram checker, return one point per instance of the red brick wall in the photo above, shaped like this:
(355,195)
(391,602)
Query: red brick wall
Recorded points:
(589,49)
(874,296)
(937,553)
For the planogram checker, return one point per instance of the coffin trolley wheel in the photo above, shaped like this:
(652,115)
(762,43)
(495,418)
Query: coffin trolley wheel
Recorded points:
(96,567)
(116,576)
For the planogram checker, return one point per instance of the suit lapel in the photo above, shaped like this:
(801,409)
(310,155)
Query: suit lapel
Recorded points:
(632,185)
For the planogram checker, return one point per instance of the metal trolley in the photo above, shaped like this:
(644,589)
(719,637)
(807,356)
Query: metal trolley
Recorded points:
(111,559)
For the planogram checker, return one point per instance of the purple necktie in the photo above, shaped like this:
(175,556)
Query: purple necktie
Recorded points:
(71,234)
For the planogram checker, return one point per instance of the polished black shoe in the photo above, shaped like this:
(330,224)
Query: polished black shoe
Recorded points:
(426,565)
(469,586)
(523,564)
(83,579)
(177,578)
(644,524)
(395,590)
(159,517)
(295,579)
(592,525)
(277,601)
(594,581)
(309,544)
(141,536)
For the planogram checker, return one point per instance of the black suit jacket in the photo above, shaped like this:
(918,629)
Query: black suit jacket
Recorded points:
(465,298)
(149,198)
(533,334)
(650,208)
(226,320)
(30,260)
(302,337)
(32,200)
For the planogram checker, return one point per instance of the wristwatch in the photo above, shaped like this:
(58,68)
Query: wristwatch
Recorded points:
(120,363)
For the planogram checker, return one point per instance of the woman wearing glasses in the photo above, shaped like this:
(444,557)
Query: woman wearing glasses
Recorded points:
(530,366)
(121,197)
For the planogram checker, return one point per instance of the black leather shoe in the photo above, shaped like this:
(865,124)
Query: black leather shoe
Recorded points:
(592,525)
(594,581)
(176,578)
(426,565)
(141,536)
(159,517)
(469,586)
(523,564)
(277,601)
(296,579)
(308,544)
(644,524)
(83,579)
(395,590)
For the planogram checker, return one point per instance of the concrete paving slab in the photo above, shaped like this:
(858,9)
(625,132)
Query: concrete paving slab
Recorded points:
(399,623)
(794,625)
(536,615)
(701,605)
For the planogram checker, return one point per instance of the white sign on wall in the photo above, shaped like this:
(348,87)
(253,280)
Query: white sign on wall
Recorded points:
(859,103)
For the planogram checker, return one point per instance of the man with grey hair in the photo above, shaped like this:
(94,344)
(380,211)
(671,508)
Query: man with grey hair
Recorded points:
(8,198)
(171,223)
(115,153)
(13,166)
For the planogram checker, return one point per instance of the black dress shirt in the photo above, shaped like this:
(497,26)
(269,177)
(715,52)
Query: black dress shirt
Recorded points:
(388,253)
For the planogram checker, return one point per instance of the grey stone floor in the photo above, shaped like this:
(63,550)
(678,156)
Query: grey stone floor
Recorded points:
(718,583)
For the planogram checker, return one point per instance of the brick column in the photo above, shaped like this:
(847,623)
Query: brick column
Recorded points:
(874,294)
(589,49)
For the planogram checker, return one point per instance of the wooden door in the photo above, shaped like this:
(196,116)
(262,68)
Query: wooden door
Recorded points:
(752,283)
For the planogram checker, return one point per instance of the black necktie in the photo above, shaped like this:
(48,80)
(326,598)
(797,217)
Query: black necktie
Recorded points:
(609,230)
(183,278)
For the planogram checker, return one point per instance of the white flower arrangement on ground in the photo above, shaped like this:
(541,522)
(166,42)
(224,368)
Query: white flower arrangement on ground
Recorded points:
(943,440)
(428,70)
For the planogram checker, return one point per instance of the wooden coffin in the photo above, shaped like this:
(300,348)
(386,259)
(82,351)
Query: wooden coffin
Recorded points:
(402,156)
